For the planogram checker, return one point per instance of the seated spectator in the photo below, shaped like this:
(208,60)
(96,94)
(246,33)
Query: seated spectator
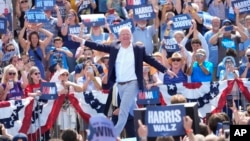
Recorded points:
(11,88)
(178,66)
(200,70)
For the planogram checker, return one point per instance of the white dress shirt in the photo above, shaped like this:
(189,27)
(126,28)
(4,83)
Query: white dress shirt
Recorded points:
(125,64)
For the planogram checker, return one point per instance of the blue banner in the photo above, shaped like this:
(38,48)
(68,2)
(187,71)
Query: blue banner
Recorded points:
(149,97)
(36,16)
(73,30)
(8,55)
(45,4)
(143,12)
(242,5)
(131,3)
(49,91)
(180,22)
(162,2)
(207,18)
(90,20)
(3,25)
(165,120)
(115,28)
(170,44)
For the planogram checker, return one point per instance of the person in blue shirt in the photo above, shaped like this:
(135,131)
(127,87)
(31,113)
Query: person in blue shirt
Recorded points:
(200,70)
(58,54)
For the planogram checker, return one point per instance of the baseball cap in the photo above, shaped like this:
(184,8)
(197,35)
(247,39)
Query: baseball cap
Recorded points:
(20,136)
(226,21)
(101,129)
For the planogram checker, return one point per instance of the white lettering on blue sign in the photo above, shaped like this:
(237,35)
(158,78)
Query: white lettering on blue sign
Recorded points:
(48,3)
(39,4)
(40,16)
(2,25)
(162,117)
(74,30)
(116,28)
(182,23)
(242,4)
(143,10)
(165,127)
(31,16)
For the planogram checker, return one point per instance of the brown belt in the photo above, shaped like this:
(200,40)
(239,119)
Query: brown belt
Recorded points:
(123,83)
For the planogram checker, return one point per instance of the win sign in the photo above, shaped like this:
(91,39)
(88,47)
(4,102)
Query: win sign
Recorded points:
(165,120)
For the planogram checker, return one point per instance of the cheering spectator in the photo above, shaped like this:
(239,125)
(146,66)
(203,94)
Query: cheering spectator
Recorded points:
(178,66)
(71,26)
(7,42)
(34,46)
(11,88)
(34,82)
(58,55)
(21,7)
(117,5)
(85,6)
(224,39)
(64,7)
(200,70)
(230,71)
(149,80)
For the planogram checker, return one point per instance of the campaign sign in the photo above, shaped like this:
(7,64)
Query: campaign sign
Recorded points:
(101,129)
(143,12)
(162,2)
(49,91)
(110,18)
(115,28)
(182,21)
(242,5)
(36,16)
(131,3)
(170,44)
(149,96)
(207,18)
(73,30)
(3,25)
(45,4)
(8,55)
(90,20)
(165,120)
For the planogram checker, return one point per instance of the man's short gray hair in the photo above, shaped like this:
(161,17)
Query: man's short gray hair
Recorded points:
(124,28)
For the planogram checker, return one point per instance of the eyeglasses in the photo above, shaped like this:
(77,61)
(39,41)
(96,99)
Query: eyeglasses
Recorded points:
(9,50)
(24,1)
(37,73)
(65,74)
(12,73)
(176,59)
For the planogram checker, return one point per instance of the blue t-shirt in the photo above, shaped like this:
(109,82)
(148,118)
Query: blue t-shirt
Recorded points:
(242,69)
(198,75)
(181,77)
(58,56)
(99,39)
(213,49)
(37,56)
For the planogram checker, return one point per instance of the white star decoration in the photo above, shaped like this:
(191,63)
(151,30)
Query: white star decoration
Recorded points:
(214,84)
(212,95)
(205,100)
(171,86)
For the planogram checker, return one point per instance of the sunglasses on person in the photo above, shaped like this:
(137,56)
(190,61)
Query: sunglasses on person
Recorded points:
(176,59)
(12,73)
(24,1)
(37,73)
(248,55)
(10,50)
(229,61)
(65,74)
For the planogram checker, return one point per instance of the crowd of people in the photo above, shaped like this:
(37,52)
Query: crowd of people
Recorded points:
(79,59)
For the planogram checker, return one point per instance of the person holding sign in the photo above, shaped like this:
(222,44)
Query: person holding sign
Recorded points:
(11,88)
(64,7)
(125,68)
(71,26)
(85,6)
